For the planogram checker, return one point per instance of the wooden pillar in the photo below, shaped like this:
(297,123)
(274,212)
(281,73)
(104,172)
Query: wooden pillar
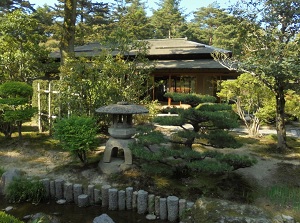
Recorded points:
(170,85)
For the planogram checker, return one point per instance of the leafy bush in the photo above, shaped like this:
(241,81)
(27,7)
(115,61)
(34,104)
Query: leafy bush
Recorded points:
(6,218)
(77,135)
(22,189)
(153,108)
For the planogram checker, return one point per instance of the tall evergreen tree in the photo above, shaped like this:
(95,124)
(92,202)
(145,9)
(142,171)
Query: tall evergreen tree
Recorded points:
(215,26)
(12,5)
(68,37)
(168,20)
(271,52)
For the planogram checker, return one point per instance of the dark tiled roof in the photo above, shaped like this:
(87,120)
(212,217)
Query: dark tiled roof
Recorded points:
(158,47)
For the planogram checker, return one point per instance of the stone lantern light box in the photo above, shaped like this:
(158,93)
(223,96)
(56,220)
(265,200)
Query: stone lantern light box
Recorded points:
(121,132)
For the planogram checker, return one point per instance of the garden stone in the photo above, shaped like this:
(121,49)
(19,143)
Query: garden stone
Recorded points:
(104,192)
(142,201)
(90,192)
(59,185)
(163,208)
(68,192)
(129,194)
(112,199)
(134,199)
(104,218)
(44,218)
(8,176)
(182,206)
(9,208)
(52,188)
(61,201)
(83,200)
(172,203)
(46,183)
(157,205)
(151,203)
(283,219)
(121,200)
(97,196)
(151,217)
(208,210)
(77,190)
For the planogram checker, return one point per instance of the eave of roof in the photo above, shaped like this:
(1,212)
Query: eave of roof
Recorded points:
(157,47)
(188,64)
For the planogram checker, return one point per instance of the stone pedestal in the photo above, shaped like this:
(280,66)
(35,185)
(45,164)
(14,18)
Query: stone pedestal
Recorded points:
(112,147)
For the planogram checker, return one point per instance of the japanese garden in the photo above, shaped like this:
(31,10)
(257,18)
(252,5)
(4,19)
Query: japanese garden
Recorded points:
(109,114)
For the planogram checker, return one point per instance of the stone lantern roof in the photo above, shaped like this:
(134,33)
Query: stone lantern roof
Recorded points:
(122,108)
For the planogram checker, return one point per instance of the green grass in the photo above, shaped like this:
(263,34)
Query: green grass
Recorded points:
(284,196)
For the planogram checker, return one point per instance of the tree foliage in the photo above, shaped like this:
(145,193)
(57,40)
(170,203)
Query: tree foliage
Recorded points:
(21,54)
(180,161)
(209,121)
(271,51)
(86,86)
(251,99)
(168,20)
(15,106)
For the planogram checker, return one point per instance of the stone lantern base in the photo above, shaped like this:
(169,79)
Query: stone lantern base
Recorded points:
(110,162)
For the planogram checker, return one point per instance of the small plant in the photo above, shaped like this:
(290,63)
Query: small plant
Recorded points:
(22,189)
(6,218)
(77,135)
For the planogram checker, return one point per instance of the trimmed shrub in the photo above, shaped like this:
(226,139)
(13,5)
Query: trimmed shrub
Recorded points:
(77,135)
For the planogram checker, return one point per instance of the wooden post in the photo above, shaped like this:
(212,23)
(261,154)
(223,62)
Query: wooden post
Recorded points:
(49,108)
(170,85)
(39,108)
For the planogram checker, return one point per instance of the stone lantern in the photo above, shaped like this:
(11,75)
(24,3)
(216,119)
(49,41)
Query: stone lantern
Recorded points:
(121,132)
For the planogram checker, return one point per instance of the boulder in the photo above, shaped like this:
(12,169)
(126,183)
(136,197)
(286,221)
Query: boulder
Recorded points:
(208,210)
(7,178)
(104,218)
(41,217)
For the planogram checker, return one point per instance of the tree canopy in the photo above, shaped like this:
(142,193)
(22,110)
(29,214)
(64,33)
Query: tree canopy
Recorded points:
(271,51)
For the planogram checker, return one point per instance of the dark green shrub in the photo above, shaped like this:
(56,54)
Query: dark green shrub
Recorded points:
(6,218)
(15,106)
(77,135)
(191,99)
(22,189)
(222,139)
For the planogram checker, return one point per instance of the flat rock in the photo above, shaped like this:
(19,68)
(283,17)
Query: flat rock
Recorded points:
(208,210)
(151,217)
(104,218)
(61,201)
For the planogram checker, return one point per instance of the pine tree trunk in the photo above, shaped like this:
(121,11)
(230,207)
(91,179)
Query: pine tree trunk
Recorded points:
(280,121)
(19,124)
(68,37)
(253,128)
